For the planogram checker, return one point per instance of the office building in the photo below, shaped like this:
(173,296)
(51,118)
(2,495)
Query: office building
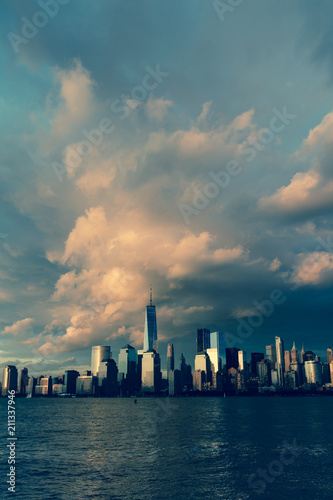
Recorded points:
(279,344)
(99,353)
(231,354)
(44,388)
(70,381)
(271,354)
(127,369)
(326,373)
(290,379)
(274,378)
(175,382)
(256,357)
(170,359)
(151,371)
(264,373)
(217,341)
(302,353)
(329,355)
(313,372)
(199,380)
(23,381)
(87,385)
(296,367)
(9,379)
(294,354)
(287,361)
(108,378)
(242,360)
(203,340)
(150,335)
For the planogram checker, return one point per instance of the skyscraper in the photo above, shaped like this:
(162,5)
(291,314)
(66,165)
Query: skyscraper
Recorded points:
(242,360)
(231,354)
(329,355)
(256,357)
(150,335)
(99,353)
(302,354)
(217,341)
(23,381)
(271,354)
(170,359)
(313,372)
(70,381)
(127,367)
(9,379)
(294,354)
(151,371)
(203,340)
(287,361)
(280,359)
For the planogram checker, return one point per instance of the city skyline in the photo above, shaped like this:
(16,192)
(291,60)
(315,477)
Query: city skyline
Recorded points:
(207,176)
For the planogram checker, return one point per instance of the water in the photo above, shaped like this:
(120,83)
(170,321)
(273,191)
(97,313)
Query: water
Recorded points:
(186,448)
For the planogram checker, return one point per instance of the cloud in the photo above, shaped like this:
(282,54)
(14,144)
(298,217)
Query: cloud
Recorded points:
(19,328)
(157,108)
(314,268)
(297,194)
(275,265)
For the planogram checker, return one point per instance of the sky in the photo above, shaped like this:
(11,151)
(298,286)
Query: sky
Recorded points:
(185,145)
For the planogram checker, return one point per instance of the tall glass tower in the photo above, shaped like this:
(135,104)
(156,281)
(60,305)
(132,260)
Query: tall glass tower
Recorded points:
(150,336)
(170,359)
(279,344)
(99,353)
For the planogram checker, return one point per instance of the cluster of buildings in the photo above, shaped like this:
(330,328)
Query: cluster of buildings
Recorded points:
(217,369)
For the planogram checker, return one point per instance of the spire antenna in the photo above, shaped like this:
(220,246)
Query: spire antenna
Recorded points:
(150,295)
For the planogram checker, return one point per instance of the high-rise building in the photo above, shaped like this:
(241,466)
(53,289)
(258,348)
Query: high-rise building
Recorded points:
(287,361)
(326,373)
(70,381)
(186,373)
(294,354)
(151,371)
(87,385)
(203,340)
(99,353)
(329,355)
(107,378)
(170,360)
(217,341)
(302,353)
(175,382)
(271,354)
(256,357)
(296,367)
(290,379)
(23,381)
(9,379)
(264,373)
(331,370)
(150,335)
(127,368)
(231,354)
(202,362)
(279,344)
(313,372)
(242,360)
(309,356)
(199,380)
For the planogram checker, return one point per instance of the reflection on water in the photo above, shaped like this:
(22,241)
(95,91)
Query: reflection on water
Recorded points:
(169,449)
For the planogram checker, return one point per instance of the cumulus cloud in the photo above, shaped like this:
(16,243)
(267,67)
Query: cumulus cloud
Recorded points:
(314,268)
(157,108)
(19,328)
